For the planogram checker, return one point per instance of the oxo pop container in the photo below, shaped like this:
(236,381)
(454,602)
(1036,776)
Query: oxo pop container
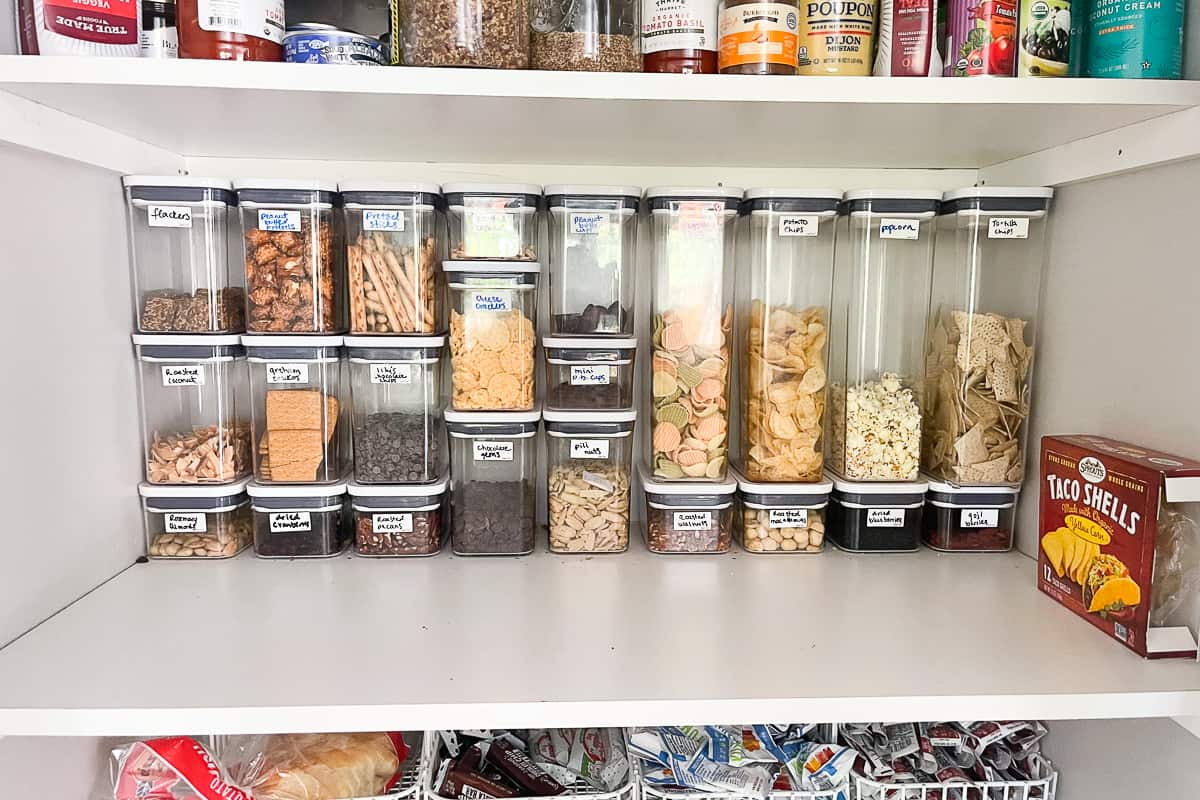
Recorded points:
(785,255)
(590,462)
(691,237)
(493,220)
(877,332)
(987,273)
(593,259)
(195,408)
(781,517)
(183,278)
(299,521)
(493,458)
(399,520)
(970,518)
(683,517)
(589,374)
(876,516)
(196,521)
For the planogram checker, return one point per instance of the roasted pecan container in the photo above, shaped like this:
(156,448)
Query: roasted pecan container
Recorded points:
(880,516)
(688,517)
(299,521)
(971,518)
(196,521)
(590,463)
(589,374)
(399,520)
(781,517)
(295,261)
(493,220)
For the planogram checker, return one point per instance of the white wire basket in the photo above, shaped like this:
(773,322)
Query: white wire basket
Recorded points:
(863,788)
(659,793)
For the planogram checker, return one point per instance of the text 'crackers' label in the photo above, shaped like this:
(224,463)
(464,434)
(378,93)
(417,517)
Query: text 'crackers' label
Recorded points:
(797,225)
(693,521)
(899,228)
(589,448)
(586,224)
(1008,228)
(287,373)
(493,451)
(979,518)
(788,518)
(290,521)
(391,523)
(183,375)
(169,216)
(383,219)
(588,375)
(185,523)
(491,301)
(279,220)
(885,517)
(391,373)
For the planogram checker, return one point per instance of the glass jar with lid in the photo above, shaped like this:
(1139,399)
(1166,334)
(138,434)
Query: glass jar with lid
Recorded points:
(463,33)
(987,274)
(585,35)
(679,36)
(590,460)
(758,38)
(785,256)
(884,261)
(231,30)
(493,220)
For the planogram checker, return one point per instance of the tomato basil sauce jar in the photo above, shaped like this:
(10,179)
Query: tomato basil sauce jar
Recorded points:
(977,518)
(231,30)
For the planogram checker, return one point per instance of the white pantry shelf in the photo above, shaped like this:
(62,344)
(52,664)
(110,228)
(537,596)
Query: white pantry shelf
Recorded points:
(286,111)
(357,644)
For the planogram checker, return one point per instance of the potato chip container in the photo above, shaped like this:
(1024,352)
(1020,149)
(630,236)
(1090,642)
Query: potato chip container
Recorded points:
(781,517)
(184,280)
(691,304)
(785,254)
(987,273)
(590,462)
(196,521)
(299,521)
(882,271)
(400,519)
(493,220)
(969,518)
(589,373)
(593,259)
(876,516)
(688,517)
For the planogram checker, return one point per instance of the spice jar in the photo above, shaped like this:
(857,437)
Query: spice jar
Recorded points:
(589,374)
(298,395)
(781,517)
(590,460)
(493,220)
(463,33)
(758,38)
(785,252)
(687,517)
(972,518)
(195,419)
(292,247)
(196,521)
(593,259)
(399,520)
(493,316)
(396,388)
(234,30)
(179,254)
(585,35)
(679,36)
(876,516)
(987,273)
(394,235)
(299,521)
(493,457)
(877,332)
(691,235)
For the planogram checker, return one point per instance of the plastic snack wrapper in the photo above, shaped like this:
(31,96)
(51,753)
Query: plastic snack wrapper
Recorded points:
(172,768)
(317,766)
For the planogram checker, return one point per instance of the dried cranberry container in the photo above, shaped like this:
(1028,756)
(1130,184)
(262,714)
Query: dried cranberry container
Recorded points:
(974,518)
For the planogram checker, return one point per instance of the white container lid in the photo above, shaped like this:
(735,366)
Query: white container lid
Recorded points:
(287,184)
(193,490)
(584,190)
(393,342)
(894,194)
(479,417)
(356,489)
(256,489)
(879,487)
(388,186)
(589,343)
(822,487)
(586,417)
(998,192)
(177,181)
(186,340)
(683,488)
(510,267)
(720,192)
(491,188)
(946,488)
(251,340)
(793,194)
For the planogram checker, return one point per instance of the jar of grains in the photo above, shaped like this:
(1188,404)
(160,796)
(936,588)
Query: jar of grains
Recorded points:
(464,33)
(585,35)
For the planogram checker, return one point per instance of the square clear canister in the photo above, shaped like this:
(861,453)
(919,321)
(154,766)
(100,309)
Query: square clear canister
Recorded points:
(781,517)
(876,516)
(688,517)
(196,521)
(399,520)
(299,521)
(590,461)
(589,374)
(493,220)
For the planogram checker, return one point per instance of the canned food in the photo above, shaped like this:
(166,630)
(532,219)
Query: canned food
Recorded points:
(313,43)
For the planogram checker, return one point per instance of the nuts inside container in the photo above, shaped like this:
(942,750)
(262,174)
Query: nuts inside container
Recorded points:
(688,517)
(782,517)
(196,521)
(398,520)
(590,456)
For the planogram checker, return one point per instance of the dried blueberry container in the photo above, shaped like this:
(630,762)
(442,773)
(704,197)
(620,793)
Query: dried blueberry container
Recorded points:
(876,517)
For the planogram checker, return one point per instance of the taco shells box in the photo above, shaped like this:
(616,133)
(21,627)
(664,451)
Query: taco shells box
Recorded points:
(1104,504)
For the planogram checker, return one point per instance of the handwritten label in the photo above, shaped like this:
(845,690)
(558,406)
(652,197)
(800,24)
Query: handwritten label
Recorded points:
(589,448)
(587,375)
(169,216)
(278,220)
(586,224)
(700,219)
(183,375)
(290,521)
(788,518)
(287,373)
(185,523)
(979,518)
(693,521)
(885,517)
(491,301)
(899,228)
(383,219)
(391,523)
(493,451)
(1008,228)
(489,221)
(391,373)
(797,225)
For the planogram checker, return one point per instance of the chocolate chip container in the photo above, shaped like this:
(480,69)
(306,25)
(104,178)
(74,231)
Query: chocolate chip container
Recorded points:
(493,220)
(184,280)
(493,458)
(395,383)
(399,520)
(684,517)
(590,464)
(195,407)
(585,374)
(876,516)
(781,517)
(196,521)
(969,518)
(987,273)
(299,521)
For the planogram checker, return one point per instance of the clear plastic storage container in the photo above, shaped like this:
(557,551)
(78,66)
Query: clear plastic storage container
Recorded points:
(877,333)
(688,517)
(589,374)
(295,262)
(194,403)
(879,516)
(493,220)
(692,240)
(196,521)
(493,458)
(399,520)
(179,244)
(299,521)
(781,517)
(785,258)
(394,250)
(593,259)
(586,35)
(971,518)
(396,387)
(987,273)
(590,463)
(463,33)
(493,321)
(299,405)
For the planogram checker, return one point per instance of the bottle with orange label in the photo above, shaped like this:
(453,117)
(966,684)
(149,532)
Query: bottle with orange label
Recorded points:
(758,38)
